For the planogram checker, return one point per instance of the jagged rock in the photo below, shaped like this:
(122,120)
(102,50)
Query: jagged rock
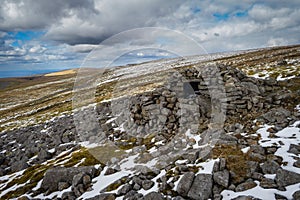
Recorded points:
(78,190)
(86,179)
(296,195)
(222,163)
(253,167)
(257,149)
(222,178)
(216,166)
(267,183)
(251,86)
(204,153)
(185,183)
(62,186)
(280,197)
(44,155)
(19,165)
(201,187)
(136,186)
(270,167)
(257,176)
(106,196)
(245,186)
(68,196)
(218,197)
(147,184)
(61,174)
(257,157)
(124,189)
(132,195)
(285,178)
(153,196)
(297,163)
(77,179)
(110,171)
(231,187)
(217,189)
(295,149)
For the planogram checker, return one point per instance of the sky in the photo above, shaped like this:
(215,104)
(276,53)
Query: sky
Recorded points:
(56,34)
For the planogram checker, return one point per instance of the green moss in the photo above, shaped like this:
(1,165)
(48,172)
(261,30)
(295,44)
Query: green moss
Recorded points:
(116,184)
(32,174)
(147,141)
(78,156)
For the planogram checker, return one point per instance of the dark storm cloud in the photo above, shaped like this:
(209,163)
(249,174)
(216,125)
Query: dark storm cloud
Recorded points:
(77,25)
(31,14)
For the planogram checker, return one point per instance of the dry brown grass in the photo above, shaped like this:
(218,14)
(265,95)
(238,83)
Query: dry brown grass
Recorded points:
(60,73)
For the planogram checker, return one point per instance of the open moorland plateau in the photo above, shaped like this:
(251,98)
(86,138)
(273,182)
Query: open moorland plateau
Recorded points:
(218,126)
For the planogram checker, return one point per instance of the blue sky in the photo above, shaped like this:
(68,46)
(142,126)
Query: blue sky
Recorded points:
(53,35)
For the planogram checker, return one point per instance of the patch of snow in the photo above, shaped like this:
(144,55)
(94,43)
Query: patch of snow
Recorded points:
(120,128)
(270,176)
(88,145)
(206,167)
(280,78)
(287,136)
(38,185)
(180,162)
(177,182)
(245,150)
(51,150)
(102,181)
(13,188)
(81,161)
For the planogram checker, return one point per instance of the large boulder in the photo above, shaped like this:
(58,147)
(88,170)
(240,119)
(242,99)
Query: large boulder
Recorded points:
(222,178)
(245,186)
(286,178)
(201,187)
(103,197)
(153,196)
(185,183)
(61,174)
(270,167)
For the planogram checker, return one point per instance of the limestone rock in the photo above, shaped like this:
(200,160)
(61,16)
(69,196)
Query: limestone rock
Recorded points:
(270,167)
(61,174)
(106,196)
(296,195)
(245,186)
(153,196)
(286,178)
(222,178)
(185,183)
(201,187)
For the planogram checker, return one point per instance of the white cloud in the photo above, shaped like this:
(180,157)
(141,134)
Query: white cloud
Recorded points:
(77,26)
(277,42)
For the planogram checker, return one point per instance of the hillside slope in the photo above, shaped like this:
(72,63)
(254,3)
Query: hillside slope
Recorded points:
(218,126)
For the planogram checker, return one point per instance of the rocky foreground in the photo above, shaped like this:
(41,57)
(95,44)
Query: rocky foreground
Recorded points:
(215,127)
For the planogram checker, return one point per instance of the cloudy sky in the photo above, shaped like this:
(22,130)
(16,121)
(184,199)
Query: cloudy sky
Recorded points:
(56,34)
